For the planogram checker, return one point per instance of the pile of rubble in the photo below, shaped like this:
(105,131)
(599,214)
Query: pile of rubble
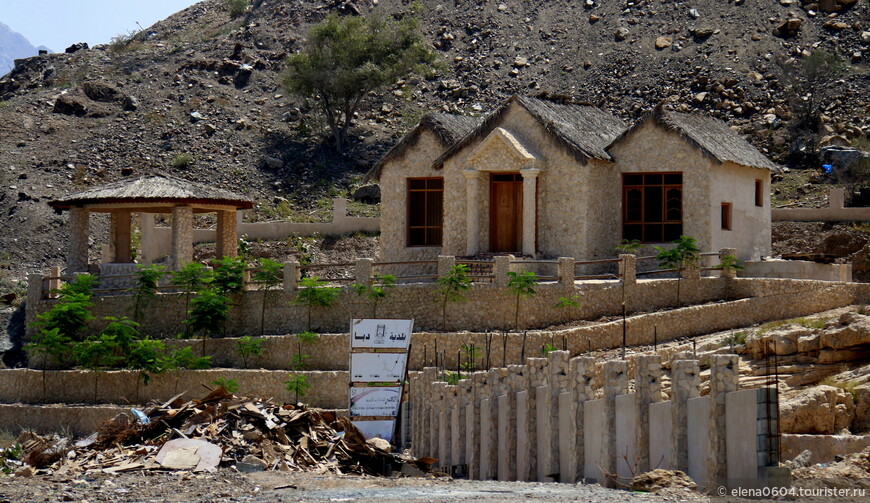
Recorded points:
(219,430)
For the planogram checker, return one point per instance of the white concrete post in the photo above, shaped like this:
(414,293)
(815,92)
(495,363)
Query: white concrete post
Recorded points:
(685,383)
(557,380)
(628,268)
(501,267)
(530,191)
(647,390)
(182,236)
(566,271)
(724,378)
(836,198)
(615,383)
(536,376)
(363,271)
(581,370)
(79,228)
(472,211)
(339,209)
(291,276)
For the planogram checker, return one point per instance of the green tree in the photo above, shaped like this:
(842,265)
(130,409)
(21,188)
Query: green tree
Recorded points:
(683,254)
(95,353)
(470,353)
(230,385)
(568,303)
(298,385)
(451,288)
(315,293)
(376,290)
(49,344)
(345,58)
(297,361)
(248,347)
(145,287)
(630,247)
(228,276)
(71,312)
(147,356)
(184,358)
(521,284)
(208,314)
(267,276)
(191,278)
(124,331)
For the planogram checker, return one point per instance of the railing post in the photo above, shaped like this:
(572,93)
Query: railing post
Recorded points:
(445,263)
(500,269)
(729,273)
(291,276)
(363,271)
(566,271)
(628,268)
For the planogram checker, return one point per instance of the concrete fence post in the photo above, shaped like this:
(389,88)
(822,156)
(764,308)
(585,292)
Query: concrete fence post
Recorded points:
(509,421)
(647,390)
(615,383)
(474,423)
(729,273)
(536,372)
(724,378)
(581,370)
(566,271)
(339,209)
(489,426)
(291,276)
(557,382)
(363,271)
(445,263)
(685,383)
(628,268)
(500,269)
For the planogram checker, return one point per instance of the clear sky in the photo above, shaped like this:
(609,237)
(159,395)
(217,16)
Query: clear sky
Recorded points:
(57,24)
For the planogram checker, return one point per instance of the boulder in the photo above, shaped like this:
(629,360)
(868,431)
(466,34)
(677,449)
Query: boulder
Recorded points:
(822,409)
(784,339)
(102,91)
(861,422)
(370,194)
(788,28)
(70,105)
(855,333)
(658,479)
(663,43)
(77,47)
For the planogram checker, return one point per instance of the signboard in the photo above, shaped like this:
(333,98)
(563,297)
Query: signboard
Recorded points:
(380,334)
(378,357)
(377,367)
(375,401)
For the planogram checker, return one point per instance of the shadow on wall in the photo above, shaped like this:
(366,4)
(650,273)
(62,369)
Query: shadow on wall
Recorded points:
(12,341)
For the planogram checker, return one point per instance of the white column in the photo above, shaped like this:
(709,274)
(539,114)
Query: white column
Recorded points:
(530,190)
(472,211)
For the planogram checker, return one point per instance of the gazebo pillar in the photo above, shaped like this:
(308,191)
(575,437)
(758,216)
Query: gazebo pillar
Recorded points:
(227,234)
(182,236)
(79,228)
(119,237)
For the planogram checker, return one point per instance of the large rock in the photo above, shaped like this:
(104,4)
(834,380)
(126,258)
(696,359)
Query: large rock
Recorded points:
(102,91)
(784,339)
(70,105)
(822,409)
(370,194)
(855,332)
(660,479)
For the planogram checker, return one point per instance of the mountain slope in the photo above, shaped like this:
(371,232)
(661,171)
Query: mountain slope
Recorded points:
(205,88)
(13,46)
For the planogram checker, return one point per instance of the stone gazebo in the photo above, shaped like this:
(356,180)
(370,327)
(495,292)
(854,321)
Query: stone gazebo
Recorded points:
(148,195)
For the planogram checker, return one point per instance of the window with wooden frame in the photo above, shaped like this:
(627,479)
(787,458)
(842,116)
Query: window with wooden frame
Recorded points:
(652,206)
(759,193)
(425,208)
(726,216)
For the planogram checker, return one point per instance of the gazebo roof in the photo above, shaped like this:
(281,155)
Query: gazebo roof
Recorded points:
(153,189)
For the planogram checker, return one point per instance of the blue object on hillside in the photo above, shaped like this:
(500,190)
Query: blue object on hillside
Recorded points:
(827,167)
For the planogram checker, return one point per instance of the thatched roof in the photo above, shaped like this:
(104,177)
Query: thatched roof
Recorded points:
(711,136)
(581,128)
(447,127)
(153,189)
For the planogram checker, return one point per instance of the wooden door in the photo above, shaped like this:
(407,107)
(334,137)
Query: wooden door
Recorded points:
(506,213)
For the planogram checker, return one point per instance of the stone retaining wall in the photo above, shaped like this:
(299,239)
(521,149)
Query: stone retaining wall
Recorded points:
(823,447)
(75,420)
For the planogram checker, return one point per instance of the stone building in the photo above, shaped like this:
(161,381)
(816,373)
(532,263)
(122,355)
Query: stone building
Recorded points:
(543,178)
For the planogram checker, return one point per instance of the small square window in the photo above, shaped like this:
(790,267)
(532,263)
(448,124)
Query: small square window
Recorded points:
(726,216)
(759,193)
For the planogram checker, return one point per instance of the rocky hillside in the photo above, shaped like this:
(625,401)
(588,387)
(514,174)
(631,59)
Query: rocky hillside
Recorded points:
(199,95)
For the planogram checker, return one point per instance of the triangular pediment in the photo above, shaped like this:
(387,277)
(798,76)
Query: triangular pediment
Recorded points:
(497,145)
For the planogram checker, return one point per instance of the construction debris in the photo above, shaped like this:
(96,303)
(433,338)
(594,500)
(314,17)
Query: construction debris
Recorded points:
(245,434)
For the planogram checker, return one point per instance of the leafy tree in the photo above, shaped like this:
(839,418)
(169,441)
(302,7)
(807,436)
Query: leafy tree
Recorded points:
(71,313)
(228,276)
(683,254)
(629,247)
(267,276)
(248,347)
(49,344)
(146,356)
(345,58)
(208,314)
(470,353)
(548,348)
(522,284)
(191,278)
(297,361)
(95,353)
(124,331)
(145,286)
(376,290)
(315,293)
(183,358)
(298,385)
(568,303)
(231,385)
(451,287)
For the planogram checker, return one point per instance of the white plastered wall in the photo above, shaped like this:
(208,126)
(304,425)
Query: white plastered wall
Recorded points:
(750,224)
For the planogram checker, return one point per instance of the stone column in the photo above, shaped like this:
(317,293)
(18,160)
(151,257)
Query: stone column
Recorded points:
(615,383)
(581,370)
(566,271)
(628,268)
(530,209)
(79,228)
(647,390)
(472,211)
(227,234)
(53,283)
(182,236)
(476,389)
(557,381)
(500,269)
(445,263)
(724,378)
(291,276)
(363,271)
(120,233)
(536,372)
(489,425)
(685,383)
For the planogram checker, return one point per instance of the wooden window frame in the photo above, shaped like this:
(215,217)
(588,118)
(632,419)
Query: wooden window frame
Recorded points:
(725,216)
(759,193)
(643,221)
(425,192)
